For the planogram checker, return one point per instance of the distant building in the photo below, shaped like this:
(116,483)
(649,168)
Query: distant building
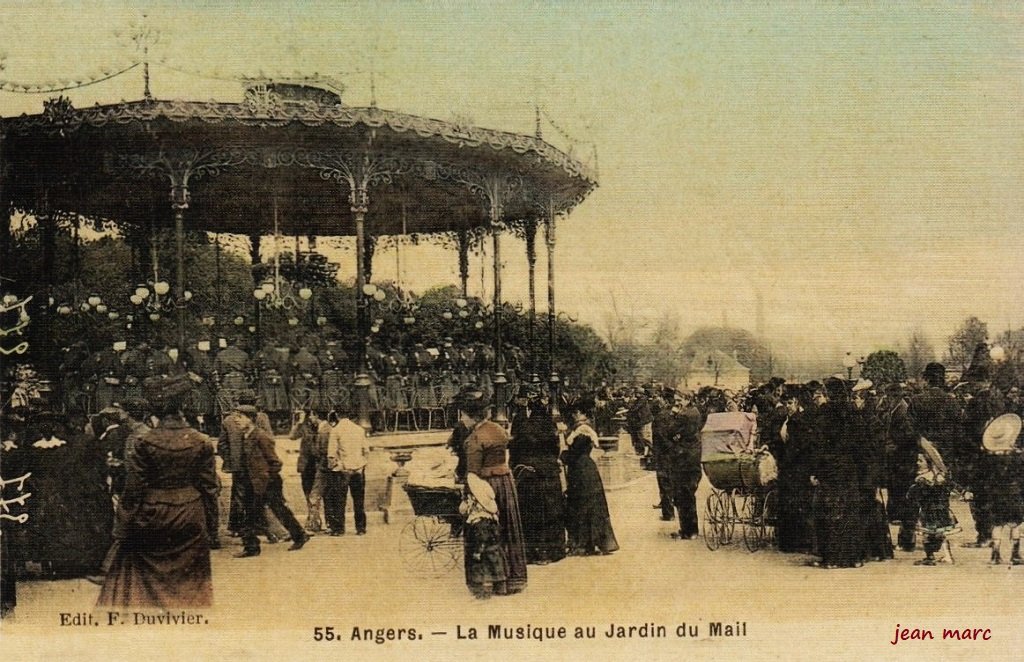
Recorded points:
(716,368)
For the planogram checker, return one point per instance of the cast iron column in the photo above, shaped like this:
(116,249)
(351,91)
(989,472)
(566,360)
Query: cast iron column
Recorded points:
(464,262)
(359,201)
(496,192)
(554,381)
(179,203)
(531,259)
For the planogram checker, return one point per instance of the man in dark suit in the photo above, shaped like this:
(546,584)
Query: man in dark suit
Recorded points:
(259,470)
(684,462)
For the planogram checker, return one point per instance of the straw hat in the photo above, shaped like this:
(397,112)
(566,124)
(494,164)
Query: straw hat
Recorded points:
(483,493)
(1001,434)
(863,385)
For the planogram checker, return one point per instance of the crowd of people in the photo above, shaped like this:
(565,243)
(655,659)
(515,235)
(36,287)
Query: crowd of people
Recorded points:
(114,491)
(520,472)
(853,457)
(412,387)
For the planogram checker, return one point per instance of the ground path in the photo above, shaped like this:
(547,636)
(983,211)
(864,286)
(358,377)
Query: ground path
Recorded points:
(270,605)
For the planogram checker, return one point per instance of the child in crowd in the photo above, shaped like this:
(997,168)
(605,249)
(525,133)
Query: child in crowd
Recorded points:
(930,492)
(489,568)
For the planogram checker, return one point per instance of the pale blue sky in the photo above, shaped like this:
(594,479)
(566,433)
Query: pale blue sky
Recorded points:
(860,163)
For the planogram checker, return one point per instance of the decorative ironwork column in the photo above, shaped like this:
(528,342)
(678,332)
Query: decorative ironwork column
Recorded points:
(497,188)
(5,211)
(554,382)
(254,249)
(180,166)
(359,202)
(464,262)
(531,259)
(179,203)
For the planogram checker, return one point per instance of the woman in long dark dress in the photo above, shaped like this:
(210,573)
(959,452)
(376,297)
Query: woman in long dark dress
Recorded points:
(70,523)
(872,475)
(838,522)
(533,456)
(169,502)
(486,448)
(799,438)
(586,510)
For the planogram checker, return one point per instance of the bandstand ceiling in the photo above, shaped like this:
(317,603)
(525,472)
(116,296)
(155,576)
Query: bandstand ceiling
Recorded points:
(243,161)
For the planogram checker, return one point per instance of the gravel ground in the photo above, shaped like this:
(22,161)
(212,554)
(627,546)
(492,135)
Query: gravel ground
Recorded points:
(270,606)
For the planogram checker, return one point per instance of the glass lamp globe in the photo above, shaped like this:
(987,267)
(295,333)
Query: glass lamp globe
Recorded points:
(305,294)
(162,288)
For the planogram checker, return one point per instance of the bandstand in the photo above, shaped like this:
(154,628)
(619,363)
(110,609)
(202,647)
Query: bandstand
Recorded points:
(293,158)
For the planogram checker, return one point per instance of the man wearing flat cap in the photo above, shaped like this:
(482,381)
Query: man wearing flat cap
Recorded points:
(259,472)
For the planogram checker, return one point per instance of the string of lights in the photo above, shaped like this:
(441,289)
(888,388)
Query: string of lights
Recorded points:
(574,142)
(63,86)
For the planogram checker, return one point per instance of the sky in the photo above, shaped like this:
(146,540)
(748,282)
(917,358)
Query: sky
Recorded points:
(860,166)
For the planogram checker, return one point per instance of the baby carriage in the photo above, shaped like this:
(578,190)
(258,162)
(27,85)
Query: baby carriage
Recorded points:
(742,477)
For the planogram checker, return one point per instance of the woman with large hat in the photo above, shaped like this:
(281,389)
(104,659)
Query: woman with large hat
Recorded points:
(838,524)
(486,450)
(1002,472)
(70,514)
(533,456)
(168,506)
(587,521)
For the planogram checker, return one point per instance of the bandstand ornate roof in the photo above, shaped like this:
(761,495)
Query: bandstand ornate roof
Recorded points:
(305,156)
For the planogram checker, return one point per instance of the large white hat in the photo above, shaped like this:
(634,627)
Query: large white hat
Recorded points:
(863,385)
(482,492)
(1001,434)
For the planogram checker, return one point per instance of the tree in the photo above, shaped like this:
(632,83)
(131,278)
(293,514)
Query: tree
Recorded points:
(663,355)
(918,352)
(884,367)
(964,341)
(621,334)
